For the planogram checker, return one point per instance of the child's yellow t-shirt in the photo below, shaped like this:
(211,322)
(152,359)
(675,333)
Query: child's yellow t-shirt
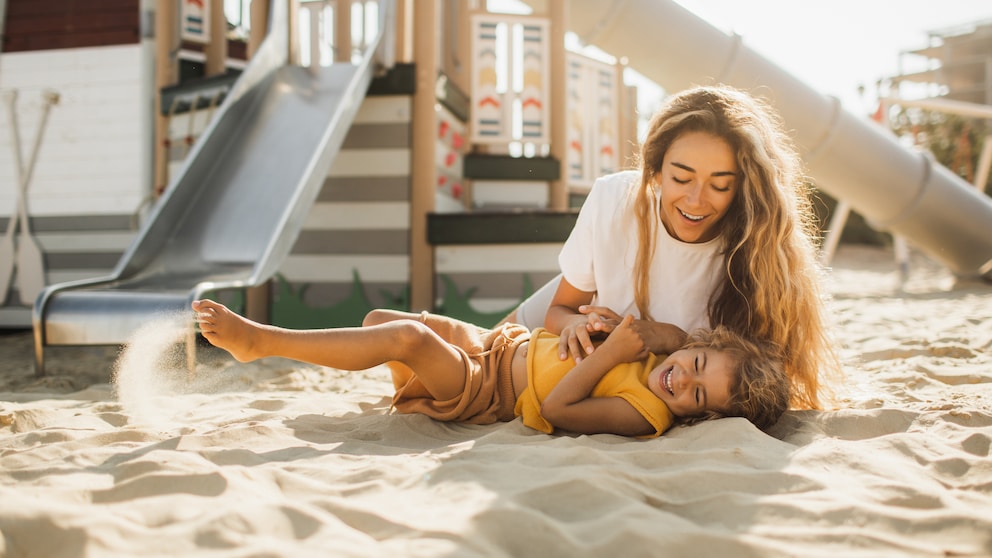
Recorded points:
(627,381)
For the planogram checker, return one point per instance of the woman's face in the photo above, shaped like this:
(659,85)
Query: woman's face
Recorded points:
(699,179)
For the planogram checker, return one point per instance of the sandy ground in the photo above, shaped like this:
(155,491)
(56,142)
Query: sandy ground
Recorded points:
(275,458)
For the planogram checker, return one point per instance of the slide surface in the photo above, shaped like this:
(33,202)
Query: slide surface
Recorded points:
(234,210)
(851,158)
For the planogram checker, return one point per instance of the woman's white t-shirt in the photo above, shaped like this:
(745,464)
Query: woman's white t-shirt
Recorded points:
(600,252)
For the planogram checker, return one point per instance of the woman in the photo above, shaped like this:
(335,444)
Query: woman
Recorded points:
(716,228)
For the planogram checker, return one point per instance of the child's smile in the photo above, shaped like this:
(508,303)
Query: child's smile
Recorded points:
(692,381)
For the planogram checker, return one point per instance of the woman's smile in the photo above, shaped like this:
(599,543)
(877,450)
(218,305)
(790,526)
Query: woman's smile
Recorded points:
(698,182)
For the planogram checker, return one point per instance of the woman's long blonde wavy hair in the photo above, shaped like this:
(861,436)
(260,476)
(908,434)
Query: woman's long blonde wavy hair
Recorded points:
(771,291)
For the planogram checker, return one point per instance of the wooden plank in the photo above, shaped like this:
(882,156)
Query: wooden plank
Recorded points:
(505,167)
(359,216)
(365,189)
(384,110)
(51,42)
(499,285)
(342,242)
(500,228)
(321,268)
(76,24)
(383,162)
(497,257)
(29,8)
(62,24)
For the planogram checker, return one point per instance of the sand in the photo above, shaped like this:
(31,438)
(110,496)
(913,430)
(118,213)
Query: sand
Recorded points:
(275,458)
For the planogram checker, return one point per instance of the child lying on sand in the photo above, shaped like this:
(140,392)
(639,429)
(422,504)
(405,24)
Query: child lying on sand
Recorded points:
(455,371)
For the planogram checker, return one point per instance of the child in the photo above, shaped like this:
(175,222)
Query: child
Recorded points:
(455,371)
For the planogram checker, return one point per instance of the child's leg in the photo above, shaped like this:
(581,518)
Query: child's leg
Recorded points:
(438,365)
(451,330)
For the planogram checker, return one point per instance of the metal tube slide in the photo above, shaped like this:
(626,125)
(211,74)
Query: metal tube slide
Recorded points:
(851,158)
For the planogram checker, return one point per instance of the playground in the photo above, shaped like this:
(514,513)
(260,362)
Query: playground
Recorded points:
(377,155)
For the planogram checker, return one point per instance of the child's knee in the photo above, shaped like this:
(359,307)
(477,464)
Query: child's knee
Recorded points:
(376,317)
(411,337)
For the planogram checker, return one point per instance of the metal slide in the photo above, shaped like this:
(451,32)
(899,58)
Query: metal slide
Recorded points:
(234,210)
(852,159)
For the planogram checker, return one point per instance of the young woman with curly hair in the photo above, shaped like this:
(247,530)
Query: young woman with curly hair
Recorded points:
(716,228)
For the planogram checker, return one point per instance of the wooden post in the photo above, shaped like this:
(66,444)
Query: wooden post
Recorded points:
(259,25)
(558,13)
(342,31)
(293,17)
(258,299)
(216,49)
(403,17)
(423,171)
(166,74)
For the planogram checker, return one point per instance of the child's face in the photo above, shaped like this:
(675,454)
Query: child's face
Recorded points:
(691,381)
(698,182)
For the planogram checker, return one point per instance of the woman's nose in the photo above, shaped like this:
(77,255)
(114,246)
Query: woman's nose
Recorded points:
(694,193)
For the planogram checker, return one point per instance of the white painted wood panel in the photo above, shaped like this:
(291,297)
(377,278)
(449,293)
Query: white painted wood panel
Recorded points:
(363,162)
(330,216)
(96,146)
(85,242)
(389,109)
(474,258)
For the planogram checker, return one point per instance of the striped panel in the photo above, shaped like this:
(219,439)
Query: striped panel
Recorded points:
(306,268)
(497,288)
(377,162)
(343,242)
(353,252)
(361,216)
(365,189)
(394,109)
(481,284)
(513,194)
(380,294)
(75,247)
(497,258)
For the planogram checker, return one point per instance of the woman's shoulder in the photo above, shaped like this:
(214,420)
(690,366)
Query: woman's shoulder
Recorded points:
(616,188)
(619,181)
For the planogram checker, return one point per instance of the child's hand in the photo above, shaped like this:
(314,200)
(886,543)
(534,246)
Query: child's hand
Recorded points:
(600,319)
(659,337)
(625,342)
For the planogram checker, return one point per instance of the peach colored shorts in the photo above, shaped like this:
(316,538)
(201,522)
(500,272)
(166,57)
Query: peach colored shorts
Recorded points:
(487,354)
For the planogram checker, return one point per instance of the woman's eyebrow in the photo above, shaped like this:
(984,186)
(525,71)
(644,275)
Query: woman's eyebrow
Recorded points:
(690,169)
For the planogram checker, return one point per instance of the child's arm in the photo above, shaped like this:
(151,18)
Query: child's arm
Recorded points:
(659,337)
(569,405)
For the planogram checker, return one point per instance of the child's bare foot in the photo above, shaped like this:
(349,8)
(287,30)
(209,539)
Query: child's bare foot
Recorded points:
(226,330)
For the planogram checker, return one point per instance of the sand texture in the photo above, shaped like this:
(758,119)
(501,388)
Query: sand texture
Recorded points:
(275,458)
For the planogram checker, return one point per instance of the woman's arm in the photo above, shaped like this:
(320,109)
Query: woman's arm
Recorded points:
(564,318)
(570,406)
(658,337)
(580,322)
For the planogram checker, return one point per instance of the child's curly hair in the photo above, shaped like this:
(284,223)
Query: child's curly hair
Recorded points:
(759,391)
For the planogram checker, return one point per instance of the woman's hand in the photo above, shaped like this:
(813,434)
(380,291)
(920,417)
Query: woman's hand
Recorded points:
(575,338)
(600,319)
